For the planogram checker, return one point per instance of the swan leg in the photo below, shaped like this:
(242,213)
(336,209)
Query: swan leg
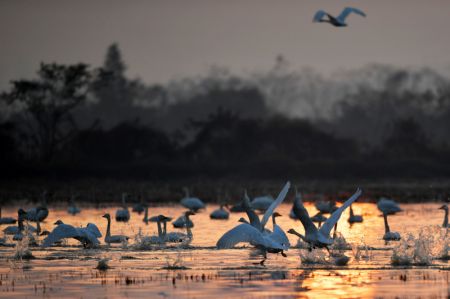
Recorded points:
(283,254)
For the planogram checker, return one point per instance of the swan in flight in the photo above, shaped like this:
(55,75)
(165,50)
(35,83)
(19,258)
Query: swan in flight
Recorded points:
(220,213)
(73,209)
(320,237)
(254,233)
(388,206)
(123,215)
(445,208)
(388,235)
(112,238)
(354,218)
(88,235)
(192,203)
(6,220)
(338,21)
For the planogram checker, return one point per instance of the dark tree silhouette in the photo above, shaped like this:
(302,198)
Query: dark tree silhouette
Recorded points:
(46,103)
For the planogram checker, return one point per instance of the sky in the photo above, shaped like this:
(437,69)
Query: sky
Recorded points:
(167,39)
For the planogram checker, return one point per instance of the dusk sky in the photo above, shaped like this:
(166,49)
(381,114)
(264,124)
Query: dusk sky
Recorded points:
(161,40)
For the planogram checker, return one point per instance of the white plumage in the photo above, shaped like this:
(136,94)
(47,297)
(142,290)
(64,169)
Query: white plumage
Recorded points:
(88,235)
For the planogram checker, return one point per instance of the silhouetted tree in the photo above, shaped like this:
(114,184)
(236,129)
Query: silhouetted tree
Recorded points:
(46,103)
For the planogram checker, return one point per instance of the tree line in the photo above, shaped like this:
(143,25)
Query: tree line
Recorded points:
(77,121)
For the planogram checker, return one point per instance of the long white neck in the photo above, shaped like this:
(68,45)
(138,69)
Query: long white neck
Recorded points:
(445,224)
(386,224)
(165,228)
(108,228)
(146,215)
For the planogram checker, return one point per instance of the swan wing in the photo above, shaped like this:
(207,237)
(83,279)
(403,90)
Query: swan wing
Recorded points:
(344,14)
(319,15)
(275,204)
(279,236)
(334,218)
(62,231)
(241,233)
(302,214)
(94,230)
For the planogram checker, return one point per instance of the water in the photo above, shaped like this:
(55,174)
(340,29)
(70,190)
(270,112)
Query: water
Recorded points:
(69,271)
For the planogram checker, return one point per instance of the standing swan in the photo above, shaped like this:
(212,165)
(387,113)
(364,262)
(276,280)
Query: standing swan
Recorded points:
(176,237)
(388,235)
(112,238)
(253,233)
(220,213)
(123,215)
(320,237)
(354,218)
(445,208)
(338,21)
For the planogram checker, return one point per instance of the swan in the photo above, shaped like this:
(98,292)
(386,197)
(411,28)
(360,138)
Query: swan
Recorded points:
(319,237)
(6,220)
(326,207)
(159,239)
(299,196)
(445,208)
(181,222)
(15,229)
(254,233)
(88,235)
(237,208)
(112,238)
(176,237)
(278,234)
(145,219)
(73,209)
(123,215)
(354,218)
(388,206)
(40,212)
(139,207)
(20,229)
(220,213)
(338,21)
(262,203)
(388,235)
(192,203)
(319,218)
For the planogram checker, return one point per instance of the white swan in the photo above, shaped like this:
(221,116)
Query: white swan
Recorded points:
(40,212)
(20,232)
(220,213)
(72,209)
(123,215)
(338,21)
(6,220)
(15,229)
(445,223)
(354,218)
(158,239)
(192,203)
(112,238)
(88,236)
(319,237)
(178,237)
(388,235)
(182,221)
(253,233)
(139,207)
(388,206)
(262,203)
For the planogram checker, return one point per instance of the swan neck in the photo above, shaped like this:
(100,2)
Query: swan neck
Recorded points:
(165,228)
(445,224)
(108,228)
(38,226)
(146,215)
(351,211)
(160,234)
(386,224)
(188,228)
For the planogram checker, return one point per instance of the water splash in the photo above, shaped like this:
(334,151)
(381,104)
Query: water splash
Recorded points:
(315,256)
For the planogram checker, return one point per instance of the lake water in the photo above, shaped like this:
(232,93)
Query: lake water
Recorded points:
(69,271)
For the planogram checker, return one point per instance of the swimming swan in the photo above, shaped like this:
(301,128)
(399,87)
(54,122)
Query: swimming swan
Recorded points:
(112,238)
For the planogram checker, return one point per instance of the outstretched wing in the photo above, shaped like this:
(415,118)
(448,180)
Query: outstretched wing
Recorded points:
(302,214)
(62,231)
(334,218)
(275,204)
(319,15)
(344,14)
(241,233)
(94,230)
